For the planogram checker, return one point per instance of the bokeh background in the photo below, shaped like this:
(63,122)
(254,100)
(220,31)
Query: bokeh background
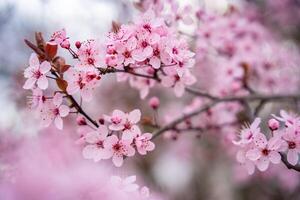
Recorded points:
(183,169)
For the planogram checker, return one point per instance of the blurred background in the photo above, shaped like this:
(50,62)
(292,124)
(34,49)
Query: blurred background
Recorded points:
(183,169)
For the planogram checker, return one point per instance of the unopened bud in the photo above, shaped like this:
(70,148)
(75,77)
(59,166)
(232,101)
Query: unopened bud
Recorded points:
(78,44)
(101,121)
(154,102)
(65,44)
(81,121)
(273,124)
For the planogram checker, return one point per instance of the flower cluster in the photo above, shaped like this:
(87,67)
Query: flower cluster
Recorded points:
(238,52)
(150,48)
(50,108)
(257,150)
(117,137)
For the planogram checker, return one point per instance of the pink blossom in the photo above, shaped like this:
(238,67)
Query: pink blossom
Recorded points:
(273,124)
(247,134)
(130,129)
(117,120)
(143,143)
(37,99)
(178,83)
(82,82)
(60,38)
(90,55)
(292,138)
(36,73)
(54,111)
(95,144)
(288,118)
(118,149)
(265,151)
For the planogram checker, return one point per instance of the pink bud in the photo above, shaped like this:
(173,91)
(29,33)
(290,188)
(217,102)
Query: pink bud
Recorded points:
(101,121)
(78,44)
(154,102)
(273,124)
(65,44)
(81,121)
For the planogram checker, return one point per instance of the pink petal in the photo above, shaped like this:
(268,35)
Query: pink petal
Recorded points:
(167,81)
(262,164)
(34,61)
(110,141)
(117,160)
(155,62)
(57,99)
(92,137)
(148,51)
(151,146)
(240,156)
(250,167)
(103,132)
(179,89)
(292,157)
(274,157)
(45,67)
(58,122)
(253,154)
(138,55)
(130,151)
(72,88)
(29,83)
(134,116)
(260,140)
(64,110)
(42,82)
(86,95)
(89,151)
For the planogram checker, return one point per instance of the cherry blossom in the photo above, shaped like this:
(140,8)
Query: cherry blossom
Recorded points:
(247,134)
(130,128)
(37,99)
(95,144)
(265,151)
(117,120)
(118,148)
(178,83)
(292,138)
(143,143)
(54,110)
(82,82)
(36,73)
(60,38)
(90,55)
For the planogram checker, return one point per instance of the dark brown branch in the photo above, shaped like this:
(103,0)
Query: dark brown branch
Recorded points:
(113,70)
(288,165)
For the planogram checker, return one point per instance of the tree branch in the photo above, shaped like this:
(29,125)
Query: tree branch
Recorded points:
(288,165)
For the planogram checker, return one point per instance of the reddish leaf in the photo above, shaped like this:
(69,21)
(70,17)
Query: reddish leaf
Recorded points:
(62,84)
(51,50)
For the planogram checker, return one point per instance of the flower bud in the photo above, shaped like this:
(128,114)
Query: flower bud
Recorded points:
(154,103)
(78,44)
(273,124)
(81,121)
(65,44)
(101,121)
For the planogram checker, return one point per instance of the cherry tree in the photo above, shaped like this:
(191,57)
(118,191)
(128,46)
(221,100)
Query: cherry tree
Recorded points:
(230,65)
